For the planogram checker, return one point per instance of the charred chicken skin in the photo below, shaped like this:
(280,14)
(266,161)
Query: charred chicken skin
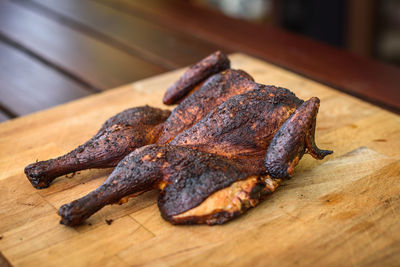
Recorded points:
(227,145)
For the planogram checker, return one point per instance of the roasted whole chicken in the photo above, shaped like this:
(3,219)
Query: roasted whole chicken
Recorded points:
(228,144)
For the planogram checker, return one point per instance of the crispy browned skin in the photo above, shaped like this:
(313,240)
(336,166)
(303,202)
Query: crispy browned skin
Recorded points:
(198,72)
(243,126)
(118,136)
(213,92)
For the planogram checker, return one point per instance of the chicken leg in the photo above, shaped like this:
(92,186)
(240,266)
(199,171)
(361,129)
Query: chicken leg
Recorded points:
(155,166)
(119,135)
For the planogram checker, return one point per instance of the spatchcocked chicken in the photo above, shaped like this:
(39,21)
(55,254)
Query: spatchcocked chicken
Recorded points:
(228,144)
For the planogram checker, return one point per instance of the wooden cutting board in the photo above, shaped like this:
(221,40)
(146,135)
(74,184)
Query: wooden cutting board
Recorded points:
(344,210)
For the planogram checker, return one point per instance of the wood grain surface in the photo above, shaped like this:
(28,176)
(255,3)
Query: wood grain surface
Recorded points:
(28,86)
(87,59)
(153,42)
(341,211)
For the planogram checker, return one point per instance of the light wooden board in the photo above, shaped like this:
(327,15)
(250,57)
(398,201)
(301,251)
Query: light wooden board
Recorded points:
(344,210)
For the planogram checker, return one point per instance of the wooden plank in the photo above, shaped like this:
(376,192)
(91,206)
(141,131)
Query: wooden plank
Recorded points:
(140,37)
(339,210)
(362,77)
(27,85)
(96,247)
(87,59)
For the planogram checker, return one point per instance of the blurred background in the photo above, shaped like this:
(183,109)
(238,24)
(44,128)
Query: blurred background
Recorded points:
(56,51)
(367,28)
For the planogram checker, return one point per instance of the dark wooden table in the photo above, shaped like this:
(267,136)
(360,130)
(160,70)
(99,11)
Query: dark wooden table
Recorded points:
(52,51)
